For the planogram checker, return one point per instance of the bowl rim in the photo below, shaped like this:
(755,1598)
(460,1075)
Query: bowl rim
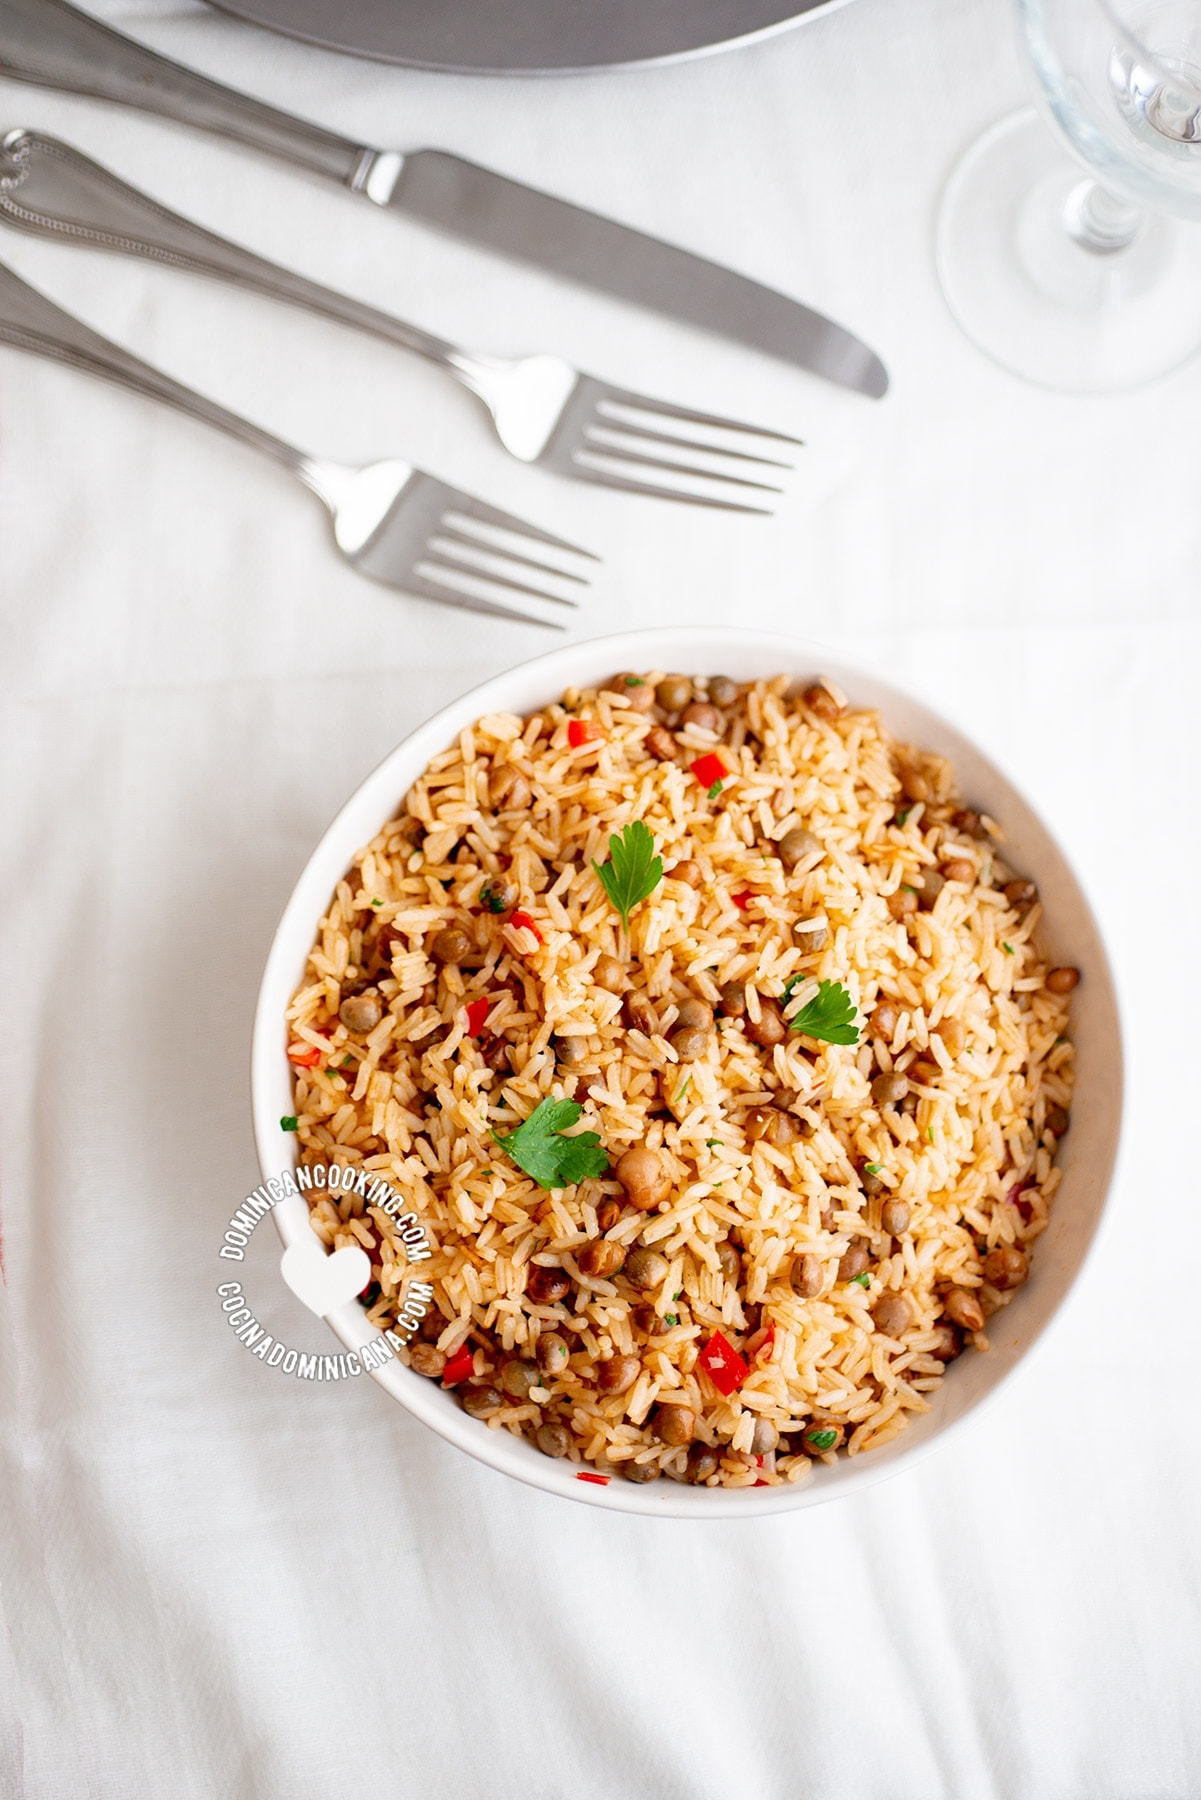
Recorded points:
(501,1450)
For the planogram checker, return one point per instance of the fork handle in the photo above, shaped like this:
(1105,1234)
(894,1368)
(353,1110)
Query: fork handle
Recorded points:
(29,321)
(49,188)
(55,45)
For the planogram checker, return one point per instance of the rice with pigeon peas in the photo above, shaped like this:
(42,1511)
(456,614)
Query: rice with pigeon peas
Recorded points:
(705,1029)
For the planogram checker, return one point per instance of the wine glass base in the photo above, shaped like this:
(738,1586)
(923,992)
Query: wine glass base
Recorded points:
(1039,302)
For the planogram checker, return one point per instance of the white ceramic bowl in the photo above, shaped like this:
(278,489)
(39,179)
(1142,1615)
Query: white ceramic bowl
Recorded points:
(1069,931)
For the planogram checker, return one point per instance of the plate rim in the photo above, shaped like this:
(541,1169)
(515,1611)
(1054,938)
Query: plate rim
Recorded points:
(815,9)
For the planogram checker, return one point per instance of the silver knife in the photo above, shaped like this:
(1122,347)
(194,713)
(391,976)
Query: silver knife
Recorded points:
(53,44)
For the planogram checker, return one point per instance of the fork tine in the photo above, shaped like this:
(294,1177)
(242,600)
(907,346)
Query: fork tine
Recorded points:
(455,535)
(655,462)
(471,508)
(640,403)
(679,443)
(415,582)
(584,472)
(436,556)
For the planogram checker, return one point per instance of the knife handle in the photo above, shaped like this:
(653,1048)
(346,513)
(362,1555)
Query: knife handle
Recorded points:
(53,44)
(53,190)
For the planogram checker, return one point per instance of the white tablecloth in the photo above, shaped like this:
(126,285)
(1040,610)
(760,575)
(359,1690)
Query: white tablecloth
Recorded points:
(217,1582)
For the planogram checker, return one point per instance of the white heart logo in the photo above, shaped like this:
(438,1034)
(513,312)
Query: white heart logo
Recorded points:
(325,1282)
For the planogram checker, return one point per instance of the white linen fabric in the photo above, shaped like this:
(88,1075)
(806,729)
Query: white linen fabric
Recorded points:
(219,1582)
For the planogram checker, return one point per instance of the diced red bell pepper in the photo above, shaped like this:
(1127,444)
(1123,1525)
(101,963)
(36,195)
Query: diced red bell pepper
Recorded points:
(742,900)
(583,731)
(1014,1198)
(524,921)
(459,1367)
(600,1480)
(305,1056)
(709,768)
(477,1012)
(723,1365)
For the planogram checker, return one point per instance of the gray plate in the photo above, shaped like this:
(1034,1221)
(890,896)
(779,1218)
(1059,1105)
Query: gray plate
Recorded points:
(525,37)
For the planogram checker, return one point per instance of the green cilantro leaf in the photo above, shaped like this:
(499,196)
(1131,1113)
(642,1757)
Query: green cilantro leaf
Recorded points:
(712,1143)
(873,1168)
(1008,949)
(715,790)
(377,903)
(681,1090)
(821,1440)
(552,1160)
(491,899)
(346,1062)
(635,681)
(902,816)
(633,870)
(679,1294)
(289,1123)
(670,1319)
(790,987)
(929,1134)
(828,1015)
(863,1281)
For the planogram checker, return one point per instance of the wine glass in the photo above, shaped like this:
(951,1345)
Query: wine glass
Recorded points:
(1085,274)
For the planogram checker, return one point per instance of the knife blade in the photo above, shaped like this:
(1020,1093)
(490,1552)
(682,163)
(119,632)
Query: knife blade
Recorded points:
(54,44)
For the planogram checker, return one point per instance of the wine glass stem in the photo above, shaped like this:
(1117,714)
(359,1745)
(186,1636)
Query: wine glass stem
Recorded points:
(1099,221)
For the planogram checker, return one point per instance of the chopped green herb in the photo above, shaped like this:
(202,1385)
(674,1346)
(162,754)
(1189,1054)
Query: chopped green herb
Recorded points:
(828,1015)
(902,816)
(682,1090)
(790,987)
(821,1440)
(679,1294)
(873,1168)
(929,1134)
(1008,949)
(671,1319)
(633,870)
(289,1123)
(863,1281)
(346,1062)
(635,681)
(377,903)
(715,790)
(491,899)
(712,1143)
(552,1160)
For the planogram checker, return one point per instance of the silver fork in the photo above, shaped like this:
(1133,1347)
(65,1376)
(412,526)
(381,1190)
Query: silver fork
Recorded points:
(544,410)
(392,522)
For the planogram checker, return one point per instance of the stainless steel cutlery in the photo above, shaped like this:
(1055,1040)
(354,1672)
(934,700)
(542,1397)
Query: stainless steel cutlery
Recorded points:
(544,410)
(391,521)
(53,44)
